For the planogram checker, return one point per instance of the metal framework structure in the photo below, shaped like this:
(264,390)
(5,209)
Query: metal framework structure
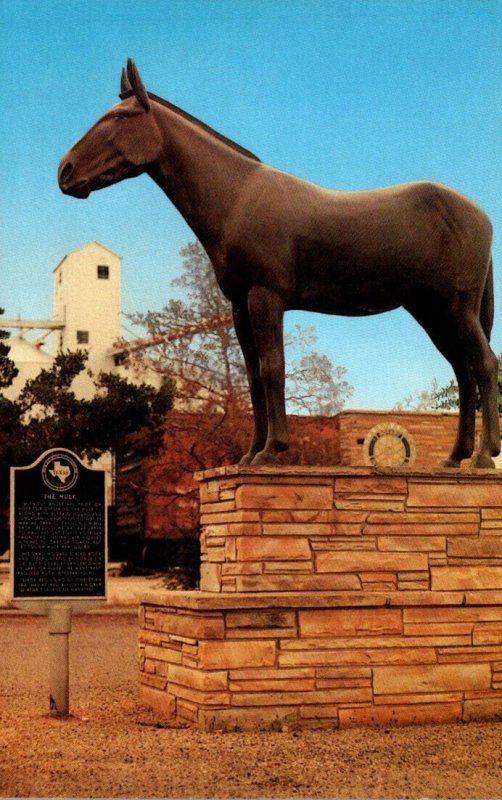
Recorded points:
(46,325)
(211,323)
(123,348)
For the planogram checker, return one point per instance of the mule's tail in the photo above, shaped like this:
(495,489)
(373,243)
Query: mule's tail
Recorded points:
(488,303)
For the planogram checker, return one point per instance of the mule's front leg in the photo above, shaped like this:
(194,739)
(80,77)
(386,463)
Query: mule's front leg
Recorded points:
(266,311)
(247,343)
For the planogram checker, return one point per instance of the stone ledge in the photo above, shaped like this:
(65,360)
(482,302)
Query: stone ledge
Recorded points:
(215,601)
(337,471)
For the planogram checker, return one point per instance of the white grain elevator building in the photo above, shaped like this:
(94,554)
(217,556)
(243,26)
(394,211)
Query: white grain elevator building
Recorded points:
(87,303)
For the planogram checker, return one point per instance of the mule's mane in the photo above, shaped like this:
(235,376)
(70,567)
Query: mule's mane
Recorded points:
(190,118)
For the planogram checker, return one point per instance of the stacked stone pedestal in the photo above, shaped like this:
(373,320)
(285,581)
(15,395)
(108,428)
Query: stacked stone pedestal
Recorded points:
(334,597)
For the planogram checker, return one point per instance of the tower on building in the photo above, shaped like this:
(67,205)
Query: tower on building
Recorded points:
(86,316)
(87,303)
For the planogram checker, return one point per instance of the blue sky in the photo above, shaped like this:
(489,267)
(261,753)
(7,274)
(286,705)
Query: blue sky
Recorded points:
(350,94)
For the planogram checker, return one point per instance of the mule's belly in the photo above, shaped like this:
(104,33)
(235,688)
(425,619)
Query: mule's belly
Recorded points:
(345,308)
(343,277)
(347,300)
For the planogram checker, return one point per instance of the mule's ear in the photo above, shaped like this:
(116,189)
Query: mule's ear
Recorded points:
(136,84)
(125,86)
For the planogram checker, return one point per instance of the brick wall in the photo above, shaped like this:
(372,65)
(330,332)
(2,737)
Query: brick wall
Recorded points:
(433,433)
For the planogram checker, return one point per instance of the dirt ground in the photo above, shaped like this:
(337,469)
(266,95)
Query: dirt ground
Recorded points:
(111,748)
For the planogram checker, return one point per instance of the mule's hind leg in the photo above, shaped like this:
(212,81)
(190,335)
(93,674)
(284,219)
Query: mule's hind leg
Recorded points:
(490,439)
(464,442)
(443,332)
(485,365)
(459,333)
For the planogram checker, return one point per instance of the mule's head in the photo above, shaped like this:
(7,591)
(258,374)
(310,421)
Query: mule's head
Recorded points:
(121,144)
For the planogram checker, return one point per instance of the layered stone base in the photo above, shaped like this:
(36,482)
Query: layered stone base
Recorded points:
(334,598)
(258,661)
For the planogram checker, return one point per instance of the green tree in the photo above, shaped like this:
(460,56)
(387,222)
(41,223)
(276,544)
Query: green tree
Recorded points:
(442,398)
(120,417)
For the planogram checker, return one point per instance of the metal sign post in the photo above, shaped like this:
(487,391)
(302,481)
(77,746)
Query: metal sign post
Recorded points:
(59,658)
(58,551)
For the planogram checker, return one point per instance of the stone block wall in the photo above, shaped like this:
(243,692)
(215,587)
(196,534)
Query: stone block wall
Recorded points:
(334,598)
(311,661)
(351,530)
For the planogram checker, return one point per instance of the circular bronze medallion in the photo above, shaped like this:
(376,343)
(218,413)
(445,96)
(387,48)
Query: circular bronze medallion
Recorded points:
(388,445)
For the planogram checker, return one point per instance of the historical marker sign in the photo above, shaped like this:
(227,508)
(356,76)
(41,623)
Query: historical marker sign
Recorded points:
(58,529)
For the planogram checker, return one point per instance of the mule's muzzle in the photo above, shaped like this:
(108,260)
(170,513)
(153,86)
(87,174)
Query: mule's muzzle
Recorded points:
(64,175)
(68,184)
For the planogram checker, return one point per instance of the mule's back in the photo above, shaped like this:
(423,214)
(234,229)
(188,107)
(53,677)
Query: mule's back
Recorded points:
(355,253)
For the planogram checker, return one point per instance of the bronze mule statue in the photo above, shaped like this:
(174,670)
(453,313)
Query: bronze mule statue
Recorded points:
(277,242)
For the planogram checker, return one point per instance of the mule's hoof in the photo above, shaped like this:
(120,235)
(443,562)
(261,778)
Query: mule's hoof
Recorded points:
(246,460)
(264,459)
(449,463)
(481,461)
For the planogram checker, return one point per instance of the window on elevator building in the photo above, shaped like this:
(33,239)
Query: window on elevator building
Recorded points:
(103,272)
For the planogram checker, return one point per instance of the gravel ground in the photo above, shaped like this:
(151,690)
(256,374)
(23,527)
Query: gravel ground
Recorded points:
(111,748)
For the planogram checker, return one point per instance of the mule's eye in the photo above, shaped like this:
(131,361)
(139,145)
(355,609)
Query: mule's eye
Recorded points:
(119,115)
